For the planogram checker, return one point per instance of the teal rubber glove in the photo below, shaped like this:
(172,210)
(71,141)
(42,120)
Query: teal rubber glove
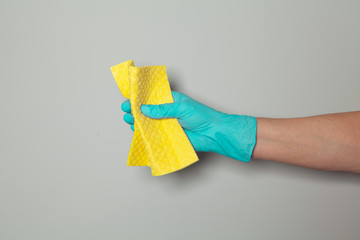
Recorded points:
(207,129)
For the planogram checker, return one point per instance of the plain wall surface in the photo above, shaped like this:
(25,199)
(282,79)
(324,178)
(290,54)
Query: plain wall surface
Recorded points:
(64,144)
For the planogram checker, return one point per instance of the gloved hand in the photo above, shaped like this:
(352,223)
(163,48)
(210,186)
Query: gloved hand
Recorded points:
(207,129)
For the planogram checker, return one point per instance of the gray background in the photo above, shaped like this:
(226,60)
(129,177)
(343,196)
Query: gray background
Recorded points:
(64,144)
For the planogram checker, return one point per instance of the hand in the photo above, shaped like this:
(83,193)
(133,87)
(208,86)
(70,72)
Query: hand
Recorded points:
(207,129)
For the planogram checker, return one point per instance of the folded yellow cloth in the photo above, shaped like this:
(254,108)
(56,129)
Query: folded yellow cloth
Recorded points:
(160,144)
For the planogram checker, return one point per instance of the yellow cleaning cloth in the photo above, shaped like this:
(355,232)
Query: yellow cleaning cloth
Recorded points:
(160,144)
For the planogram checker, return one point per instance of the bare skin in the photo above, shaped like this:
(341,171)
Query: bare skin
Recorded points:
(325,142)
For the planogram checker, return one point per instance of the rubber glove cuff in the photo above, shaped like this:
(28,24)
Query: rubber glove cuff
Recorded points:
(236,136)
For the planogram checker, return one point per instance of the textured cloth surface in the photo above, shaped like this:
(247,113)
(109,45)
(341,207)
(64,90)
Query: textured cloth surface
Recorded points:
(160,144)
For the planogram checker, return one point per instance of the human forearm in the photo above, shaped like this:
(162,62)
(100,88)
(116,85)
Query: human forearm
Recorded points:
(327,142)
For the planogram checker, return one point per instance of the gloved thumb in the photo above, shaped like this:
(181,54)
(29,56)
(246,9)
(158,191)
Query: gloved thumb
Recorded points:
(166,110)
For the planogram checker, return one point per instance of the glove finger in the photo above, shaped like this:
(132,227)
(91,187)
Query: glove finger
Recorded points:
(132,127)
(166,110)
(129,118)
(126,106)
(177,96)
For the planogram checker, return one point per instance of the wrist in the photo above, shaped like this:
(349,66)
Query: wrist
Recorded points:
(236,136)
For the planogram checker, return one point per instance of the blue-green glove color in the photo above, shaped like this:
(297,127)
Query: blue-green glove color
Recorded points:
(207,129)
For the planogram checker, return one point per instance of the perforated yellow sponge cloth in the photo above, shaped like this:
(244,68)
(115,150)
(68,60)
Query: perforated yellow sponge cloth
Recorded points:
(160,144)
